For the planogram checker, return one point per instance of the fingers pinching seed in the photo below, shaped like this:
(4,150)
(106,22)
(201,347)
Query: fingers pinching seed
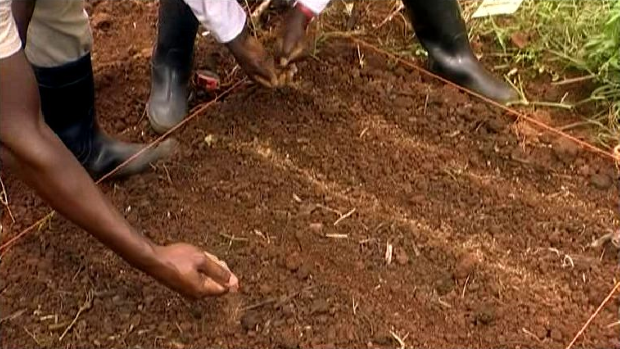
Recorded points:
(215,269)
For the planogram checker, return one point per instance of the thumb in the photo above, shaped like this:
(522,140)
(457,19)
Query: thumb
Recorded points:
(282,53)
(297,52)
(290,48)
(284,61)
(267,72)
(270,84)
(211,266)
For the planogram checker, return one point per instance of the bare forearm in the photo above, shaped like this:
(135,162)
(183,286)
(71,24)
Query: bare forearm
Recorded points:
(22,12)
(60,180)
(44,163)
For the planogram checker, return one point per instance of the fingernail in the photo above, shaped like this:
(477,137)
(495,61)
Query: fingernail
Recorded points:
(233,283)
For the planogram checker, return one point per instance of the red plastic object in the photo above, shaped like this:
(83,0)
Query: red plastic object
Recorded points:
(207,80)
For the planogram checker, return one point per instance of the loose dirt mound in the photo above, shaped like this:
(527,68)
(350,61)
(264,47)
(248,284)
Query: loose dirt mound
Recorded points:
(301,191)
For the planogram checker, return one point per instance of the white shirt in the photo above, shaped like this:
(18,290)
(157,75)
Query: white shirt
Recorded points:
(225,19)
(9,37)
(316,6)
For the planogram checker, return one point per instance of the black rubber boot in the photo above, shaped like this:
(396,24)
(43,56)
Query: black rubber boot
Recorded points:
(442,32)
(68,106)
(171,65)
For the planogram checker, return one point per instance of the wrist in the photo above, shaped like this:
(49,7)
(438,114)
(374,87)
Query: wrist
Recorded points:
(235,44)
(148,258)
(304,11)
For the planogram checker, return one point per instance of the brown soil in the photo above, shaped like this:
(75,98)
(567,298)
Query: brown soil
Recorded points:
(490,221)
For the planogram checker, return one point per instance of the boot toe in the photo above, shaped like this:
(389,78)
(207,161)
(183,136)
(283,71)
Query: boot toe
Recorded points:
(132,158)
(496,90)
(146,158)
(506,95)
(469,73)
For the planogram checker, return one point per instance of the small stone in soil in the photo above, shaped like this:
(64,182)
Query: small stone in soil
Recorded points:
(445,284)
(546,138)
(162,328)
(288,310)
(186,326)
(307,209)
(383,338)
(148,300)
(319,306)
(494,230)
(249,321)
(135,320)
(316,227)
(518,154)
(359,265)
(347,333)
(494,125)
(540,331)
(584,170)
(403,102)
(555,237)
(401,256)
(195,312)
(595,296)
(265,289)
(601,181)
(465,266)
(556,335)
(116,300)
(485,315)
(293,262)
(304,271)
(565,150)
(331,334)
(288,340)
(299,235)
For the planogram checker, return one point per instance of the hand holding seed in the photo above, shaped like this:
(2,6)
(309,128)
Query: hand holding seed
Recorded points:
(219,267)
(192,272)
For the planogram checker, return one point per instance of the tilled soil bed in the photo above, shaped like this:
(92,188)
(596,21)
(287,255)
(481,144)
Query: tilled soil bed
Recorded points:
(301,191)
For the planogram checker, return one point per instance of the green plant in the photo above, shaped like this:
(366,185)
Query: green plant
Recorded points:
(576,35)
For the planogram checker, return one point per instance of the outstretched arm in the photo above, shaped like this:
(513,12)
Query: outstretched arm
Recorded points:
(43,162)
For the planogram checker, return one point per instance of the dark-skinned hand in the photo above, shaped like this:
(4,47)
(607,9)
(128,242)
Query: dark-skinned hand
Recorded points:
(291,45)
(254,59)
(193,272)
